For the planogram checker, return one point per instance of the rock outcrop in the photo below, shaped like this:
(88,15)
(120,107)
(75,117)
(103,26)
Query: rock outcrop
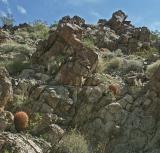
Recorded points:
(6,88)
(20,143)
(120,33)
(85,77)
(80,61)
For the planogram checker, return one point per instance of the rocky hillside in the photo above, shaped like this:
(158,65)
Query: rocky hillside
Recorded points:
(86,88)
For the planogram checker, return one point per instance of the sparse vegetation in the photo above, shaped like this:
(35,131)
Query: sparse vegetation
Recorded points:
(35,120)
(133,65)
(115,63)
(20,54)
(146,53)
(16,67)
(151,69)
(102,64)
(11,46)
(73,142)
(39,30)
(88,42)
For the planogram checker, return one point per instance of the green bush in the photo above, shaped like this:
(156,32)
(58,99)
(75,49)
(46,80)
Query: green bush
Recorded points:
(38,30)
(73,142)
(16,67)
(88,42)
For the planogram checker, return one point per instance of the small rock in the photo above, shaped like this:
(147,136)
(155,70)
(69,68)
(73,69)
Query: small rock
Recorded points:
(114,107)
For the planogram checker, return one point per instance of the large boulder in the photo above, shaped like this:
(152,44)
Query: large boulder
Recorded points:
(21,143)
(76,71)
(5,88)
(118,22)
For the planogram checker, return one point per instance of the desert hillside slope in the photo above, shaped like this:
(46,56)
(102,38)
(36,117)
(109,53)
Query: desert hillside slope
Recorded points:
(85,88)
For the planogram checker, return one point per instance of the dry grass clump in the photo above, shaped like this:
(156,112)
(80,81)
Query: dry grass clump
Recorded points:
(73,142)
(151,69)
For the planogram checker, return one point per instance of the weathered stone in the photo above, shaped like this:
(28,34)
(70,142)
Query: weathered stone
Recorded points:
(6,89)
(76,71)
(21,143)
(114,107)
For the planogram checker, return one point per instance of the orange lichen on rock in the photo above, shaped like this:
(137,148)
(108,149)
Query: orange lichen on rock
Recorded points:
(115,88)
(21,120)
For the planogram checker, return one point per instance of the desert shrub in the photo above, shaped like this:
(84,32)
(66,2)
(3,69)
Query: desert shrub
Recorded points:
(7,148)
(146,53)
(73,142)
(21,33)
(102,63)
(15,47)
(133,65)
(151,69)
(20,99)
(124,65)
(118,53)
(115,63)
(19,103)
(16,67)
(38,30)
(35,119)
(88,42)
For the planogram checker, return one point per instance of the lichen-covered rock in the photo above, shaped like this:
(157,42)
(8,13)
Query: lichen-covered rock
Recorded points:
(5,88)
(20,143)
